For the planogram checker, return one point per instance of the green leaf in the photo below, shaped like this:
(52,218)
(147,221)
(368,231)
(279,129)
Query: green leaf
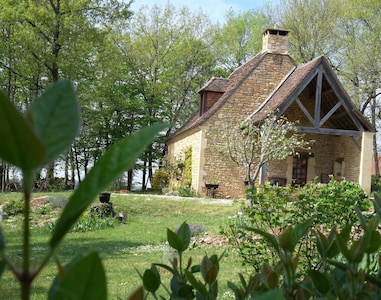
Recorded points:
(209,271)
(85,279)
(168,268)
(269,276)
(3,266)
(19,146)
(137,295)
(175,241)
(370,241)
(179,240)
(267,236)
(340,265)
(196,284)
(242,280)
(342,240)
(321,243)
(55,116)
(151,279)
(2,241)
(320,281)
(360,216)
(287,240)
(276,294)
(377,204)
(301,229)
(184,234)
(120,157)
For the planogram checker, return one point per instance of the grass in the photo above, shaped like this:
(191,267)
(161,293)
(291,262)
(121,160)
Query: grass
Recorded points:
(126,247)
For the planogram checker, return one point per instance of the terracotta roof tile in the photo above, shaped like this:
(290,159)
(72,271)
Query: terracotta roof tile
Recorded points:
(285,89)
(231,84)
(215,84)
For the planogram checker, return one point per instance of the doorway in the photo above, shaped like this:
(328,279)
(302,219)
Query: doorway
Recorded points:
(299,169)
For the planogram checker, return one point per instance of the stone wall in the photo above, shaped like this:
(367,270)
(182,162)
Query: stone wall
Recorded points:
(329,155)
(245,100)
(176,151)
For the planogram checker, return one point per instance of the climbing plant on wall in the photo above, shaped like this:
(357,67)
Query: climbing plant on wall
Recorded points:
(187,176)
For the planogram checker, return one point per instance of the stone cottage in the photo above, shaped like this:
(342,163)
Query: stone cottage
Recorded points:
(271,81)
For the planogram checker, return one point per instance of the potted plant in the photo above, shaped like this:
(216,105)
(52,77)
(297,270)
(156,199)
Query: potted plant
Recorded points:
(104,197)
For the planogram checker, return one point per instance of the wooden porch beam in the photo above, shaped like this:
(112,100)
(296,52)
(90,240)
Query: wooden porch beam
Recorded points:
(303,108)
(330,113)
(328,131)
(319,84)
(342,96)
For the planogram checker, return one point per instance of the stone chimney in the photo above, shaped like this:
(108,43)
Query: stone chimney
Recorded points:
(275,41)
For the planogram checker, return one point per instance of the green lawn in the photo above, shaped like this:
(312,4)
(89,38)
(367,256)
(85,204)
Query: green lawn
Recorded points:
(125,247)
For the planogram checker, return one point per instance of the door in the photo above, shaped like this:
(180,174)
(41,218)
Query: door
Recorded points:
(299,170)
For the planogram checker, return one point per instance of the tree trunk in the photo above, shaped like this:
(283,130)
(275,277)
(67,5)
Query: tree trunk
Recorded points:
(72,166)
(2,177)
(144,175)
(130,176)
(150,163)
(77,167)
(66,180)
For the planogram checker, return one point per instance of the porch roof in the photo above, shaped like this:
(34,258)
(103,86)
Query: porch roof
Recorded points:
(334,112)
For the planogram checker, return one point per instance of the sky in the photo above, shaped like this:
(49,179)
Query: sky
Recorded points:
(216,9)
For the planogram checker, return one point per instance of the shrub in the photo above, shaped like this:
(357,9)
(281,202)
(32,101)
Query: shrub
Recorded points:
(13,207)
(160,180)
(185,191)
(187,176)
(102,210)
(92,223)
(351,273)
(274,208)
(376,184)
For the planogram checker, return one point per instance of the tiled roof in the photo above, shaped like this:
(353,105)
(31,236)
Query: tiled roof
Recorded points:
(296,80)
(215,84)
(286,88)
(231,84)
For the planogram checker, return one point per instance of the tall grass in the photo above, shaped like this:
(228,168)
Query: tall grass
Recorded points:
(126,247)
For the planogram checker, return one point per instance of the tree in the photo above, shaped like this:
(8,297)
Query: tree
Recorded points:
(48,40)
(239,38)
(362,59)
(252,145)
(348,33)
(314,27)
(168,52)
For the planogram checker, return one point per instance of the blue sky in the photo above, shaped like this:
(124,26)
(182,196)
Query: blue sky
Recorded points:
(216,9)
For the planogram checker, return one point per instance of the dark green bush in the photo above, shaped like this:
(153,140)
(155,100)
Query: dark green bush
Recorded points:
(92,223)
(13,207)
(160,180)
(352,266)
(274,208)
(102,210)
(185,191)
(376,184)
